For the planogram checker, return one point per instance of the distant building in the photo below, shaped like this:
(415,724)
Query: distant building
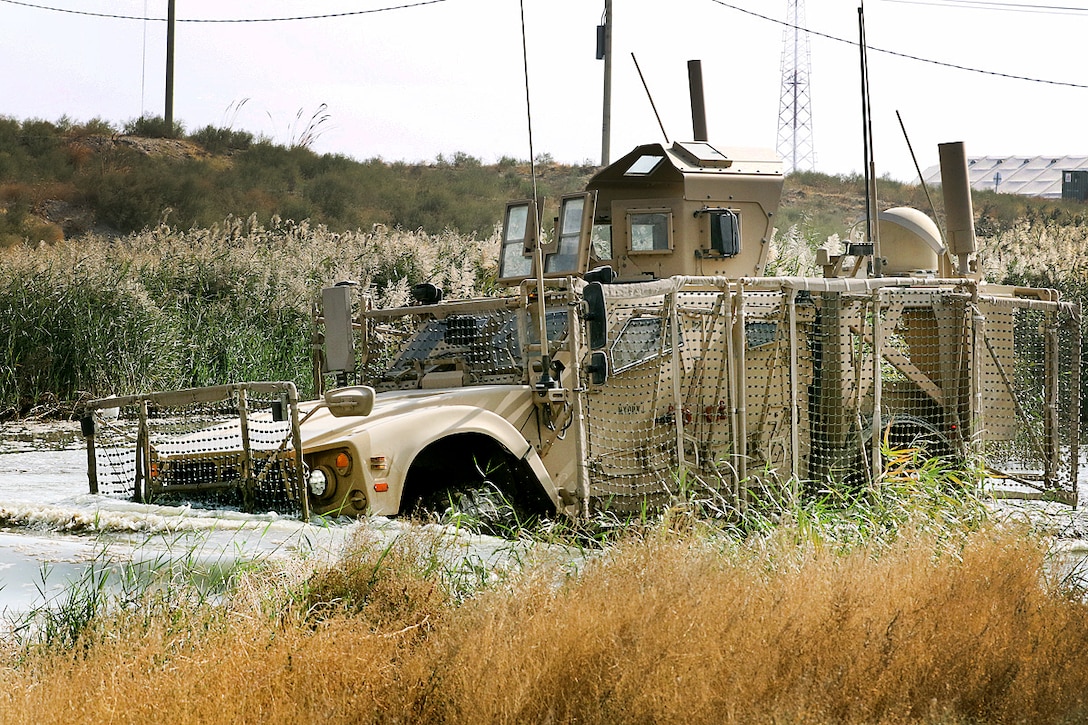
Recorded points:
(1042,176)
(1075,184)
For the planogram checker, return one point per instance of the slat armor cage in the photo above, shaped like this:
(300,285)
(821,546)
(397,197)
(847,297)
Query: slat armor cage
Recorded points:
(748,388)
(232,444)
(760,384)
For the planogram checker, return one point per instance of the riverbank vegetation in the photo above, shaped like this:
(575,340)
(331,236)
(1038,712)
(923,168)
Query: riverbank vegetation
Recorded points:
(62,179)
(935,613)
(173,308)
(906,602)
(167,308)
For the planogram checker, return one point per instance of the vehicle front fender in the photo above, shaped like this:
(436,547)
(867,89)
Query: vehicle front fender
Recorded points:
(402,437)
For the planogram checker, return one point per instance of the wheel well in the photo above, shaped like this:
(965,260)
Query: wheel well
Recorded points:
(466,460)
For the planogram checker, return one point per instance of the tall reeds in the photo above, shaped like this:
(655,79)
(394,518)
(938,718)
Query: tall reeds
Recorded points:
(663,627)
(169,308)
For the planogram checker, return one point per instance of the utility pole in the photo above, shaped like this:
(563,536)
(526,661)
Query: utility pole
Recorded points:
(169,116)
(604,52)
(795,145)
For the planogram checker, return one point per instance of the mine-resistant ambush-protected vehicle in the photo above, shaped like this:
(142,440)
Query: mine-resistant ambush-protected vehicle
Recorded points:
(640,348)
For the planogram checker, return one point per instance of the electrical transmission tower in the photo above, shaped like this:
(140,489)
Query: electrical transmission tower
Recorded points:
(795,145)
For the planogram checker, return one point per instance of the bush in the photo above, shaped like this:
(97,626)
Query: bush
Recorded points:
(222,140)
(153,127)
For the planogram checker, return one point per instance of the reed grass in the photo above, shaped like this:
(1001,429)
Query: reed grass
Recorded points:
(169,308)
(666,626)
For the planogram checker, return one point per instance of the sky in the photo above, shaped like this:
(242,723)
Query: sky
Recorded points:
(410,80)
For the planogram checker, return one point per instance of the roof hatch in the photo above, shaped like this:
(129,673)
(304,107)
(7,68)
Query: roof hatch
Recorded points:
(702,154)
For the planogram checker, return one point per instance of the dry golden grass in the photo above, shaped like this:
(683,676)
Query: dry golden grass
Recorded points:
(667,628)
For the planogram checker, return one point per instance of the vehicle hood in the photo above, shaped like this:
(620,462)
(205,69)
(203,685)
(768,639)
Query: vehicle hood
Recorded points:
(322,429)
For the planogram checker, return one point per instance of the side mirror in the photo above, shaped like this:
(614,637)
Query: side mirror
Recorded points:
(598,367)
(356,401)
(604,275)
(596,315)
(426,293)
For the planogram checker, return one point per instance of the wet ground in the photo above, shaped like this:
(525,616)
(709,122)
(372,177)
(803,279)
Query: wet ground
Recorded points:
(52,529)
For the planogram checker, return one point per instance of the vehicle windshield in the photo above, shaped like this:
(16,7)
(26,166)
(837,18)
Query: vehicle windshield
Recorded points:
(486,346)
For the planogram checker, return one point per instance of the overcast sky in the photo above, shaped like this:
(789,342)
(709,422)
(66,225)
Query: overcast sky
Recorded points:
(447,76)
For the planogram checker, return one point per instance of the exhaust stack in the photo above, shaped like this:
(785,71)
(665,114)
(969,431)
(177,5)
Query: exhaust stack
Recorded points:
(698,107)
(958,210)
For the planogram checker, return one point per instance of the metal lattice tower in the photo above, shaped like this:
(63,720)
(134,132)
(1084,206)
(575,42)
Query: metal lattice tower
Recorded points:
(795,145)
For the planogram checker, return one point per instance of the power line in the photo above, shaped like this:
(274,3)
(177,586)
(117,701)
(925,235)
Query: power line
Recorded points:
(897,54)
(225,20)
(1004,6)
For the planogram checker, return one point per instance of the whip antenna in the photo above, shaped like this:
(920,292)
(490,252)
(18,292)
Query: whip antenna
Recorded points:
(545,381)
(652,104)
(872,230)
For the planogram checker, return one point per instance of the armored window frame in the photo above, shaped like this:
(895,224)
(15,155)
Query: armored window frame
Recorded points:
(568,254)
(638,341)
(519,235)
(654,225)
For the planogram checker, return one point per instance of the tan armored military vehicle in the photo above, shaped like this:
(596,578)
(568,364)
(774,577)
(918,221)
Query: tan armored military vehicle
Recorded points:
(640,346)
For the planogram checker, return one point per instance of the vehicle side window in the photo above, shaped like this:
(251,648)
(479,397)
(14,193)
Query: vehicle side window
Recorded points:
(602,242)
(638,341)
(650,231)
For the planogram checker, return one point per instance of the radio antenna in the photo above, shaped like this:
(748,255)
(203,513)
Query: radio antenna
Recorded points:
(545,381)
(872,231)
(921,180)
(647,89)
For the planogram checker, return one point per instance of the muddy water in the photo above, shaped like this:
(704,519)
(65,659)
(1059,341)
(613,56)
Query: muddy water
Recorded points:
(52,531)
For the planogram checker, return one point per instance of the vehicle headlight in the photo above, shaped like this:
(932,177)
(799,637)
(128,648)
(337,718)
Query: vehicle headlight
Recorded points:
(319,482)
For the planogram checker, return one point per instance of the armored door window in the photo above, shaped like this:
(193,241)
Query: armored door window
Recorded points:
(602,242)
(650,232)
(568,252)
(638,341)
(518,237)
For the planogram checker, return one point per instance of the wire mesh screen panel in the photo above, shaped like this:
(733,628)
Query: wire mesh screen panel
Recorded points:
(632,421)
(770,390)
(836,345)
(924,373)
(1030,396)
(769,386)
(476,343)
(710,448)
(230,445)
(876,373)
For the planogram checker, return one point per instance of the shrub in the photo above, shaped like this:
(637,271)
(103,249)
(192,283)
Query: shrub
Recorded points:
(153,127)
(222,140)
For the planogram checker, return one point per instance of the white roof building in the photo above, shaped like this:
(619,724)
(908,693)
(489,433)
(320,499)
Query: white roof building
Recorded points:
(1026,175)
